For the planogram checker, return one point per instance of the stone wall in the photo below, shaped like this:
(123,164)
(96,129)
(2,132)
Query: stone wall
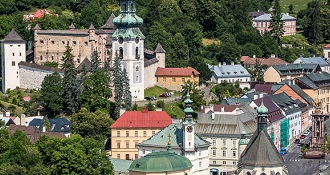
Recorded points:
(149,75)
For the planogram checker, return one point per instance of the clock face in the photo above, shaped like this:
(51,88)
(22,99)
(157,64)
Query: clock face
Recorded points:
(189,129)
(137,39)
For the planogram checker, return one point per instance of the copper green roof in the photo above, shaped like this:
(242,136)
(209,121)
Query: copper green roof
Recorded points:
(120,165)
(262,109)
(164,161)
(160,139)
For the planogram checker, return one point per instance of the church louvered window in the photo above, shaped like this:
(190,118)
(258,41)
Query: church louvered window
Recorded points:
(121,53)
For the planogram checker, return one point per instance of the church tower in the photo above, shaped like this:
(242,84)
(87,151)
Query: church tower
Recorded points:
(188,128)
(128,45)
(13,52)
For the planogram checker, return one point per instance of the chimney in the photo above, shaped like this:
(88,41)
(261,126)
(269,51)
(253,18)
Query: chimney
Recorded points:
(222,109)
(212,116)
(272,56)
(7,114)
(254,56)
(261,95)
(232,63)
(219,64)
(224,63)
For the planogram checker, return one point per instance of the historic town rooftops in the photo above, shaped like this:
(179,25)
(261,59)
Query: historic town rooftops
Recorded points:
(56,124)
(327,46)
(299,91)
(312,60)
(120,165)
(284,102)
(109,24)
(291,69)
(236,101)
(274,112)
(231,70)
(7,120)
(65,32)
(142,119)
(268,17)
(267,88)
(260,152)
(176,72)
(40,67)
(159,49)
(315,80)
(13,37)
(176,139)
(246,60)
(220,108)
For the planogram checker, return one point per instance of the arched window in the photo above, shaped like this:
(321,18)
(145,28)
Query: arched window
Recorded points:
(132,7)
(121,53)
(137,56)
(278,173)
(263,174)
(248,173)
(137,69)
(124,7)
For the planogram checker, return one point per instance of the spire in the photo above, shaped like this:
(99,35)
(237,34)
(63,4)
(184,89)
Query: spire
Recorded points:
(188,110)
(262,117)
(36,27)
(72,26)
(13,36)
(109,24)
(91,27)
(127,17)
(159,49)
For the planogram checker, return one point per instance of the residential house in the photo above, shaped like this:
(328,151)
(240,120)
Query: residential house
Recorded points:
(134,127)
(275,74)
(253,15)
(262,23)
(275,119)
(230,73)
(223,130)
(38,14)
(291,111)
(60,125)
(7,120)
(324,64)
(260,155)
(23,120)
(174,78)
(267,88)
(326,51)
(250,63)
(317,86)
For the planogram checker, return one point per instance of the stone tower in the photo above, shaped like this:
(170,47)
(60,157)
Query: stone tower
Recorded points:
(13,52)
(128,45)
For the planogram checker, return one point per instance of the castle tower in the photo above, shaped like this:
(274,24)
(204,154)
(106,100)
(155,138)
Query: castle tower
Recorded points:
(160,55)
(128,45)
(188,128)
(13,52)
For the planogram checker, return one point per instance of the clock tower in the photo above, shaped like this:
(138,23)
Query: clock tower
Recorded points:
(128,45)
(188,127)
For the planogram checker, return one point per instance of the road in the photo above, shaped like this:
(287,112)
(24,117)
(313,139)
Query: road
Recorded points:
(298,166)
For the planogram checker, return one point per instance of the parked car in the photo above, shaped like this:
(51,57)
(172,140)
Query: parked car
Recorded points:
(297,141)
(163,95)
(150,98)
(306,133)
(302,136)
(283,151)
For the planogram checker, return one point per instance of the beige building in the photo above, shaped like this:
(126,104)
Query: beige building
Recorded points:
(134,127)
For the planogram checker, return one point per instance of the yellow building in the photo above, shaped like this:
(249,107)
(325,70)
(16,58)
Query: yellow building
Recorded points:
(134,127)
(174,78)
(317,86)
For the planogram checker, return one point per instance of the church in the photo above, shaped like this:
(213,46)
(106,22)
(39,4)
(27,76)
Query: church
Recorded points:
(119,36)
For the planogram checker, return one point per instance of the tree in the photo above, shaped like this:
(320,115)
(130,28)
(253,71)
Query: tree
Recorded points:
(118,86)
(91,124)
(52,93)
(291,8)
(95,62)
(126,91)
(150,106)
(46,124)
(71,87)
(196,95)
(276,23)
(96,92)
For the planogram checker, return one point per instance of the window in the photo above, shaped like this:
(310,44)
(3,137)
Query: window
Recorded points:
(144,133)
(137,56)
(143,151)
(224,162)
(40,57)
(118,144)
(136,134)
(200,164)
(214,152)
(20,54)
(153,132)
(121,53)
(74,43)
(234,163)
(248,173)
(13,63)
(53,42)
(127,133)
(214,142)
(86,43)
(136,144)
(224,142)
(137,69)
(127,156)
(234,143)
(41,41)
(164,79)
(136,156)
(63,42)
(11,45)
(173,79)
(118,133)
(224,153)
(234,153)
(78,60)
(183,80)
(118,156)
(200,153)
(214,162)
(137,78)
(52,57)
(127,144)
(13,54)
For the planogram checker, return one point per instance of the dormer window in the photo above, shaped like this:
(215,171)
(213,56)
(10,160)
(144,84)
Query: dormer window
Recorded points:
(228,73)
(242,72)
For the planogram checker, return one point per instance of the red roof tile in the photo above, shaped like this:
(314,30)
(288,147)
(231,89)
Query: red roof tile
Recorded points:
(263,61)
(265,88)
(176,72)
(142,119)
(243,58)
(327,46)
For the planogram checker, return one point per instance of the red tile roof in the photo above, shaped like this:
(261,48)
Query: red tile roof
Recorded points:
(142,119)
(265,88)
(176,72)
(327,46)
(263,61)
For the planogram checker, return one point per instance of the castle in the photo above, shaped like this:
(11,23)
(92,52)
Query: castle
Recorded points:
(118,36)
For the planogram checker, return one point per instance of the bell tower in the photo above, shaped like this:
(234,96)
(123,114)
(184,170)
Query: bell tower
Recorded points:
(128,45)
(188,127)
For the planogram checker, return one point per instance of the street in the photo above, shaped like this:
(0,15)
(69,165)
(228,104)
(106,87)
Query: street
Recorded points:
(298,166)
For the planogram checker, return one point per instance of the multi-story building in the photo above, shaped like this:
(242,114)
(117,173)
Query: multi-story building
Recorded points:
(275,74)
(224,131)
(262,23)
(134,127)
(230,73)
(325,66)
(174,78)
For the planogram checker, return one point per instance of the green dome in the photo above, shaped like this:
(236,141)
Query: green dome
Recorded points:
(262,109)
(161,162)
(128,20)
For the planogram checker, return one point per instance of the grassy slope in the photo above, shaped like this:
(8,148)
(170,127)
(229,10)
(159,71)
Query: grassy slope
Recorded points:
(154,91)
(297,5)
(19,110)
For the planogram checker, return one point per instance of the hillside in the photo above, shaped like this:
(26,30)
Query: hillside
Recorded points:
(297,5)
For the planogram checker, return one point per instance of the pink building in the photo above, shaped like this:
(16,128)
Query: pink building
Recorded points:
(262,23)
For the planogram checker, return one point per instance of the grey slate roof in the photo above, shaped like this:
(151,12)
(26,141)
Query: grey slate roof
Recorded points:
(230,125)
(13,37)
(64,32)
(312,60)
(315,80)
(283,101)
(120,165)
(60,125)
(85,63)
(236,101)
(160,139)
(159,49)
(228,71)
(261,151)
(302,94)
(268,17)
(148,62)
(37,122)
(291,69)
(41,67)
(109,24)
(91,27)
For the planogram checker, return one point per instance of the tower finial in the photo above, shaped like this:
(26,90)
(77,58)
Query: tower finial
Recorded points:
(169,143)
(188,110)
